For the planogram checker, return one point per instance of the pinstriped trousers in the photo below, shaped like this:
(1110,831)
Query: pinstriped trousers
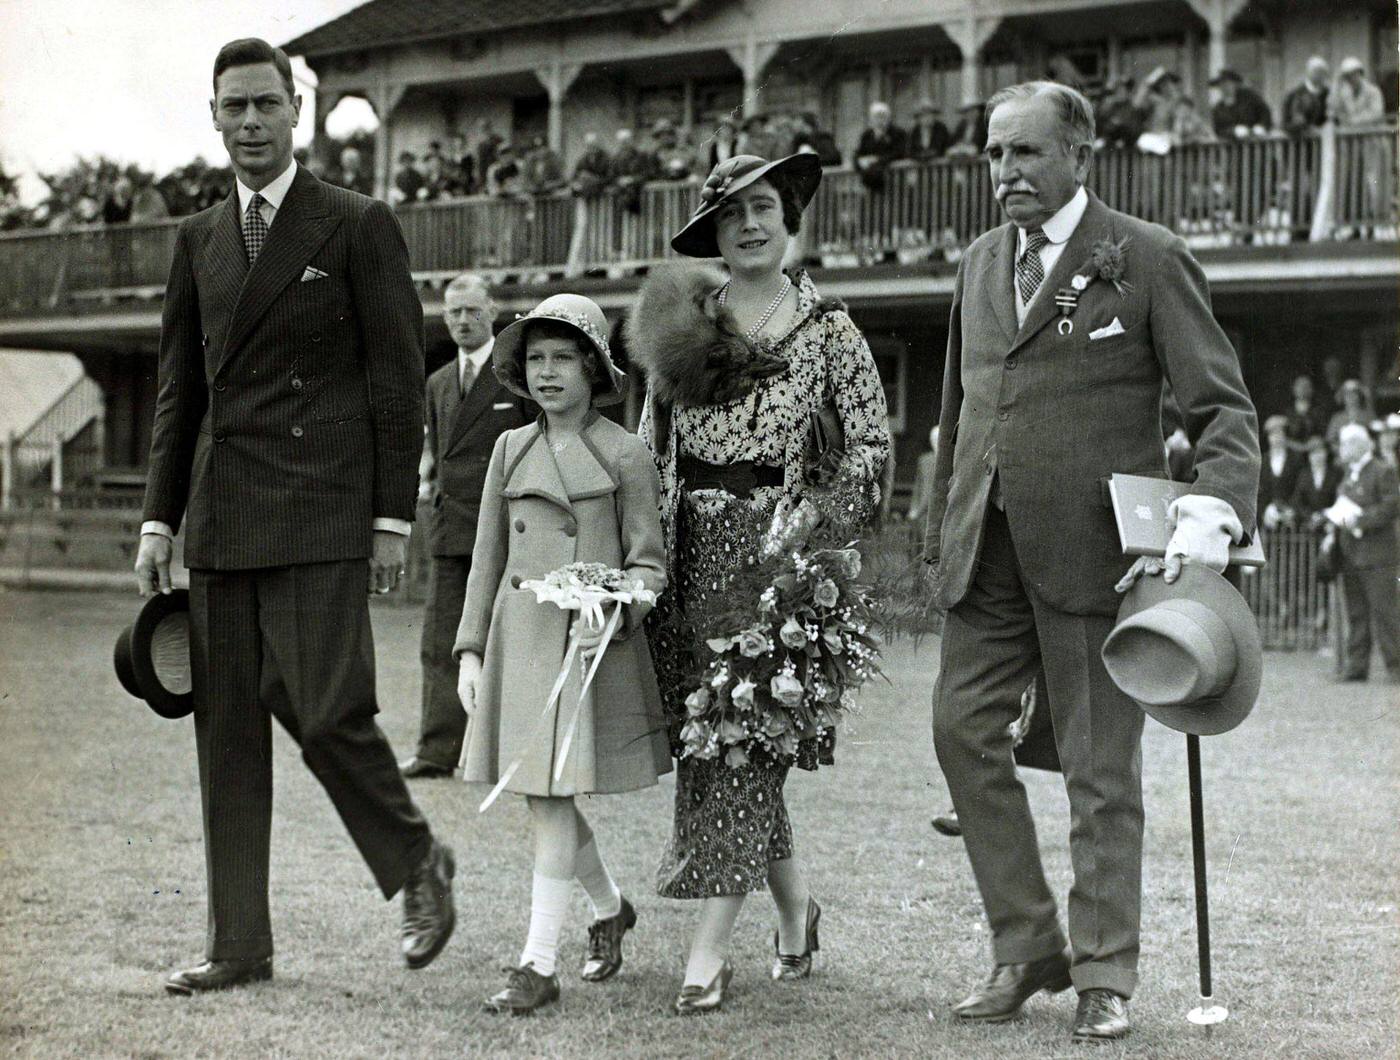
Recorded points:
(994,640)
(295,643)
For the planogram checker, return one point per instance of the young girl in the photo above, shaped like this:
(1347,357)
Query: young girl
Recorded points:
(571,487)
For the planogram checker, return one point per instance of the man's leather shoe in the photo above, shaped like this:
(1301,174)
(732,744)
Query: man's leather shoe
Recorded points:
(947,824)
(1010,985)
(1102,1016)
(219,975)
(421,769)
(428,913)
(526,990)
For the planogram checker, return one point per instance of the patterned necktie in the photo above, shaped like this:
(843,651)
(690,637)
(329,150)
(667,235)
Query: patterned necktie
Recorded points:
(254,228)
(1030,270)
(466,377)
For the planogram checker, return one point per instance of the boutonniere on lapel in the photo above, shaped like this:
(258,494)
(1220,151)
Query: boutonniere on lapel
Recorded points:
(1107,261)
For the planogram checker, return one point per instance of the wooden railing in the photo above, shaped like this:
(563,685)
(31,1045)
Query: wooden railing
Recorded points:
(1249,193)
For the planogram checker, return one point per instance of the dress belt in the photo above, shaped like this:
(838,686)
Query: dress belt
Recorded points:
(740,478)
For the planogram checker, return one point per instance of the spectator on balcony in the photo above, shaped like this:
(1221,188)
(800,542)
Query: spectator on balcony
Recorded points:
(755,138)
(1239,111)
(352,173)
(116,205)
(1305,106)
(881,143)
(631,168)
(147,203)
(1157,99)
(672,158)
(593,170)
(1366,538)
(504,179)
(1356,101)
(1278,474)
(1358,104)
(725,143)
(408,181)
(1120,123)
(1315,487)
(543,169)
(460,174)
(488,147)
(929,138)
(1387,432)
(808,135)
(1189,125)
(970,134)
(1355,409)
(1306,417)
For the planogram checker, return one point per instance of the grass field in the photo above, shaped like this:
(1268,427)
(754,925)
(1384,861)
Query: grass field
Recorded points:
(102,888)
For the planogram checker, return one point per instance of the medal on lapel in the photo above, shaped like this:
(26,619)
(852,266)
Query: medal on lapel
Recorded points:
(1067,298)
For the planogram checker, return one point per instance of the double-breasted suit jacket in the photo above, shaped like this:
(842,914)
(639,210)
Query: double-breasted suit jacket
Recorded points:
(291,393)
(461,432)
(1054,415)
(596,501)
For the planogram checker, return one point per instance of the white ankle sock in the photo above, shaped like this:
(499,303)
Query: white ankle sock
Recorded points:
(548,904)
(593,874)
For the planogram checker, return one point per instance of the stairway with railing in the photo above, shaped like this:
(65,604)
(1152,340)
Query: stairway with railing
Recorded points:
(1251,193)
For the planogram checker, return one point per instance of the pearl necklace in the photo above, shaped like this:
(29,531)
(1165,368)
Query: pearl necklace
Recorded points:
(752,333)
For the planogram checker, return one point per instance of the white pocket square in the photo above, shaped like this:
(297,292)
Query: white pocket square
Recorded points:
(1114,327)
(313,273)
(500,406)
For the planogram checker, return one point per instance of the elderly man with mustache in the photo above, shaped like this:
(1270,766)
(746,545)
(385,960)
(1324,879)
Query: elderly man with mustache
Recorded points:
(1065,323)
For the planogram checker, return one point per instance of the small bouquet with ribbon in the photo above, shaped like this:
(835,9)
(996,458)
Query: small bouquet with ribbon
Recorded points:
(586,588)
(801,641)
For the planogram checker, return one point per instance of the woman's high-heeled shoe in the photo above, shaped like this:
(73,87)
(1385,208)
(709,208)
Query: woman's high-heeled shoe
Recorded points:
(697,1000)
(787,966)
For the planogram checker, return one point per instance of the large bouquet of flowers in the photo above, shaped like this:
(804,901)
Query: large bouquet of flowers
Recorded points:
(800,642)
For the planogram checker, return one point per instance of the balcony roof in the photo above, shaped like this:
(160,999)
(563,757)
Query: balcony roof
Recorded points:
(381,23)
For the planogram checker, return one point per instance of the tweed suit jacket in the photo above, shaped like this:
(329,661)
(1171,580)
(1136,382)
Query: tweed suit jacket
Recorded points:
(290,410)
(461,434)
(1377,491)
(1053,416)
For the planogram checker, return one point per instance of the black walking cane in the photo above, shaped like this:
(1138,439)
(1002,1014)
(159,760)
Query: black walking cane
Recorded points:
(1207,1013)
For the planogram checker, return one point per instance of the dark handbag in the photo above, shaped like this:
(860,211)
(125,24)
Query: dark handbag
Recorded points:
(826,446)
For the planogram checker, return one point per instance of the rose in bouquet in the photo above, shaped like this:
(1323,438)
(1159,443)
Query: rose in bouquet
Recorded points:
(799,641)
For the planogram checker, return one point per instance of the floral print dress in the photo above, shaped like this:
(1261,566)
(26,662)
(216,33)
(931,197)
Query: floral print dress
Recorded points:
(730,822)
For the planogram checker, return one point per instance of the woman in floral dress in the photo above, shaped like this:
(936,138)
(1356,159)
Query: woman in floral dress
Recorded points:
(740,368)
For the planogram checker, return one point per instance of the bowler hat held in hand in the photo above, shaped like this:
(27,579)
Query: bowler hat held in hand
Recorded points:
(152,655)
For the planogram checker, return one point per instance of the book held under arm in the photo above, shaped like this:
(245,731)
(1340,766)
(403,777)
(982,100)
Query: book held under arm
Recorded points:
(1140,509)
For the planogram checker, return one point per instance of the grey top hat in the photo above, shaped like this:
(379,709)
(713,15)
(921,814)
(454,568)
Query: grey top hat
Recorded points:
(697,238)
(580,313)
(1188,653)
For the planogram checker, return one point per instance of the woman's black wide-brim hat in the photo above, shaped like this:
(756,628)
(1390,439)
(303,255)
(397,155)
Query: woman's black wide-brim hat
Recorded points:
(152,655)
(697,238)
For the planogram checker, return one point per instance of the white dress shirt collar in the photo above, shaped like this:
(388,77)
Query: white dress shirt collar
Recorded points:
(1354,469)
(273,194)
(478,358)
(1061,226)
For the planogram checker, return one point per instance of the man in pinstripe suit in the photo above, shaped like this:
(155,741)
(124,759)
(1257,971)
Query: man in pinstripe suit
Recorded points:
(287,434)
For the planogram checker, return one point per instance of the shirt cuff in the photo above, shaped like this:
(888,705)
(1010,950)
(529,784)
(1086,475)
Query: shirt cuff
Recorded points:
(155,526)
(401,527)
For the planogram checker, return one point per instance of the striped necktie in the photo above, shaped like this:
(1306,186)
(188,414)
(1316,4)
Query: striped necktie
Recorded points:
(254,228)
(1030,270)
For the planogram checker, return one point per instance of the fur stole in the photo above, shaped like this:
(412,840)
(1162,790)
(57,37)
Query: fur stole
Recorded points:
(689,346)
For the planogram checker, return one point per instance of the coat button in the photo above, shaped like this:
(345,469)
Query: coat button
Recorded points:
(218,436)
(515,581)
(219,387)
(1011,364)
(316,337)
(296,384)
(1003,415)
(296,432)
(520,526)
(570,529)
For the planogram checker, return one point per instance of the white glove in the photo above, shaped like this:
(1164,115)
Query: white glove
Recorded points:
(1202,529)
(468,673)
